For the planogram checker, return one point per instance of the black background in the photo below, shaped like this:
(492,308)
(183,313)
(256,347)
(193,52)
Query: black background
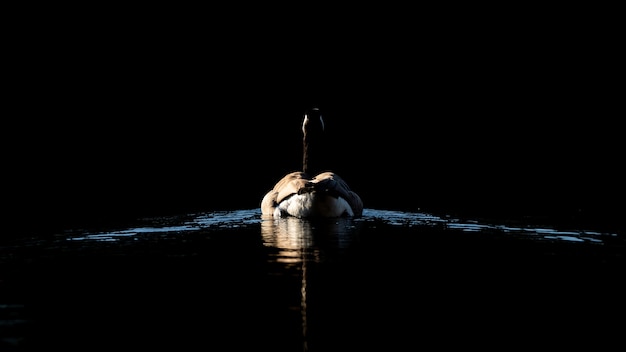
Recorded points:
(110,118)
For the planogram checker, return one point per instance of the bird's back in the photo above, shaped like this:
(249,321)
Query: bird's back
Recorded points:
(299,184)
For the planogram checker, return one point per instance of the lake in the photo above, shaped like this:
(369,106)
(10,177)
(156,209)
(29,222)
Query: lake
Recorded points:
(390,280)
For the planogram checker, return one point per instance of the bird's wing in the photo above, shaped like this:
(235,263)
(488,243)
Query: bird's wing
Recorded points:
(335,185)
(290,184)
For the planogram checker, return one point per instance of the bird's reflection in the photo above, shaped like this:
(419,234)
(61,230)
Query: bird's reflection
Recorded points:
(298,240)
(302,242)
(292,237)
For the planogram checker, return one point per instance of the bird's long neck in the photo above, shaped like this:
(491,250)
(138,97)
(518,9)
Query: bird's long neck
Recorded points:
(312,155)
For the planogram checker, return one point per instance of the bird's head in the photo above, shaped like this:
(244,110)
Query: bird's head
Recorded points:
(313,123)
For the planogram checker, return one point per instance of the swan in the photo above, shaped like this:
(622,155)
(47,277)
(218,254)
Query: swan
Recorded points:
(312,192)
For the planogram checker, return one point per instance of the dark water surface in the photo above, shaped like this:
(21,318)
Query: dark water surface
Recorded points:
(393,281)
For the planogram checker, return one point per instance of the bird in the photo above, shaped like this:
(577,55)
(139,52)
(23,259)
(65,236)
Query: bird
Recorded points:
(313,192)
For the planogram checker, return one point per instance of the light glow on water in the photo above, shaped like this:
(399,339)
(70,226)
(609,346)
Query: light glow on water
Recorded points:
(284,238)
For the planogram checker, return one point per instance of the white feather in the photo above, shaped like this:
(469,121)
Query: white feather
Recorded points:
(310,204)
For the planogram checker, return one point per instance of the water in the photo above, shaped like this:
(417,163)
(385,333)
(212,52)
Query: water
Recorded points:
(234,281)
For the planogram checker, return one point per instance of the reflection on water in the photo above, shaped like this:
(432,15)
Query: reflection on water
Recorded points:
(294,240)
(302,242)
(302,285)
(291,236)
(297,238)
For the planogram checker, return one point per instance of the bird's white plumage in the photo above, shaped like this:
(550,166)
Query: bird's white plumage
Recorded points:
(313,205)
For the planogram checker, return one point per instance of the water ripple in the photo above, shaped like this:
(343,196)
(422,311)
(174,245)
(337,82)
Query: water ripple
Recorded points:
(220,220)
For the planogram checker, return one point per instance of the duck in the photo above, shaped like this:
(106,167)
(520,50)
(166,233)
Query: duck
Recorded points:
(312,192)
